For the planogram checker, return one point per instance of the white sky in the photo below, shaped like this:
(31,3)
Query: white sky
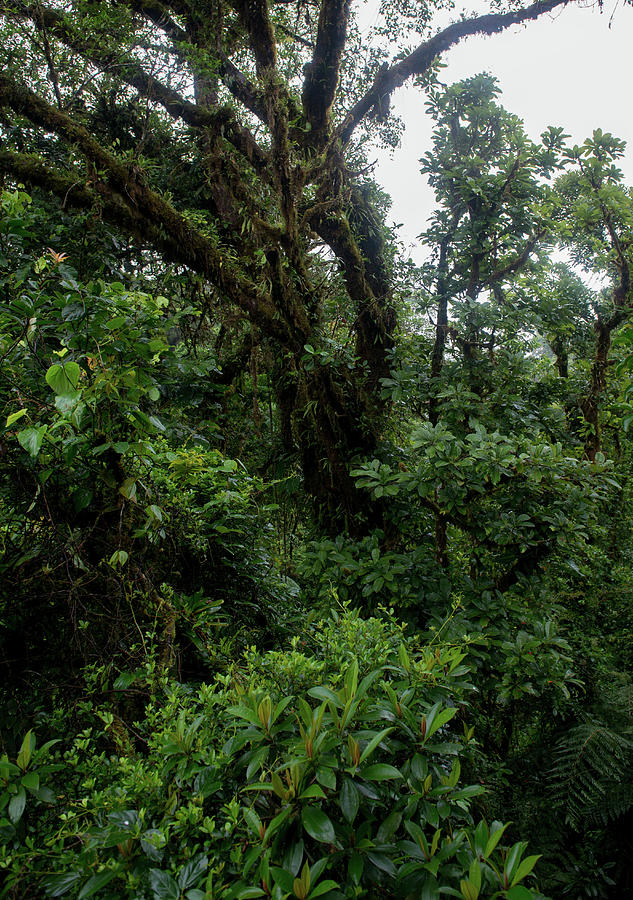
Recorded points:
(568,69)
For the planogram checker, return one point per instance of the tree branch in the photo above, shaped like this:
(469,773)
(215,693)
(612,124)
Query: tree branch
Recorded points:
(141,209)
(322,73)
(256,21)
(422,58)
(132,72)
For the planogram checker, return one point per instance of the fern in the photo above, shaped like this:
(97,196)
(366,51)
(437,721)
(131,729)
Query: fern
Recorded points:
(591,778)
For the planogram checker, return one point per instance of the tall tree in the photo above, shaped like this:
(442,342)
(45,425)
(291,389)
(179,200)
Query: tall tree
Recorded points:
(227,138)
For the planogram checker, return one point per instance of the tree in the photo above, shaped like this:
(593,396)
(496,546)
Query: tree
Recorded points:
(228,139)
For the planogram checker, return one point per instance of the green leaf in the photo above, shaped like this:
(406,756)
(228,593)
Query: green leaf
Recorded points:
(31,781)
(313,791)
(388,828)
(494,838)
(326,777)
(124,681)
(519,892)
(525,868)
(468,890)
(512,860)
(380,772)
(371,746)
(95,883)
(321,692)
(82,497)
(256,761)
(118,558)
(16,806)
(317,824)
(275,824)
(163,885)
(67,404)
(63,379)
(474,874)
(115,323)
(323,888)
(284,879)
(152,843)
(128,488)
(26,751)
(438,717)
(46,795)
(156,422)
(293,857)
(349,800)
(15,416)
(58,885)
(355,867)
(192,872)
(31,439)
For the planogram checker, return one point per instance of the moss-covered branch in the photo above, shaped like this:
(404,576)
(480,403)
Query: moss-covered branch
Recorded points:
(422,58)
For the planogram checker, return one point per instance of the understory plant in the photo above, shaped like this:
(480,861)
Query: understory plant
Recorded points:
(349,787)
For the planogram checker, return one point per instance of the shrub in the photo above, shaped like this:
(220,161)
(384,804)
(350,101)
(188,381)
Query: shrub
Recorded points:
(347,788)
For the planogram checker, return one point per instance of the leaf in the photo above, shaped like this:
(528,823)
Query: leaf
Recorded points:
(324,887)
(349,800)
(256,762)
(31,781)
(128,488)
(46,795)
(326,777)
(82,497)
(494,838)
(58,885)
(293,857)
(284,879)
(192,872)
(438,717)
(118,558)
(124,681)
(525,868)
(512,860)
(152,843)
(519,892)
(388,828)
(115,323)
(26,751)
(63,379)
(15,416)
(355,867)
(275,824)
(31,439)
(156,422)
(371,746)
(16,806)
(321,692)
(317,824)
(163,885)
(69,404)
(95,883)
(380,772)
(468,890)
(313,791)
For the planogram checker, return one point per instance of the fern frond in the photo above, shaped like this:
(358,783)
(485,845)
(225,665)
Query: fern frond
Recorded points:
(591,778)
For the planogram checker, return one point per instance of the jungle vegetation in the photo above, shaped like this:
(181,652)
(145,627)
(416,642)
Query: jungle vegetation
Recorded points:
(316,564)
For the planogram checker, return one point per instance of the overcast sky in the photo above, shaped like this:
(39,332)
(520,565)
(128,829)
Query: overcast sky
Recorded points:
(568,69)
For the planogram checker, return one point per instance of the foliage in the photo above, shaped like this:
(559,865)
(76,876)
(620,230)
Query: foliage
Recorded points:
(315,565)
(350,786)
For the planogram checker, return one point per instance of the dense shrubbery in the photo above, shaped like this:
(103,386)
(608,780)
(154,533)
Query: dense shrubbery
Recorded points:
(275,779)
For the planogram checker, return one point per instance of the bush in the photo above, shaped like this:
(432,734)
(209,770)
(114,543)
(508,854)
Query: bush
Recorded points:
(348,788)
